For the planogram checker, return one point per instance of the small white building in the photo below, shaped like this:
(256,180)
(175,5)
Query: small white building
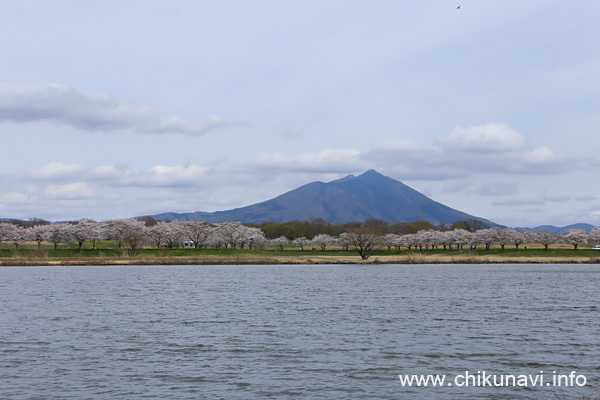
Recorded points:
(188,245)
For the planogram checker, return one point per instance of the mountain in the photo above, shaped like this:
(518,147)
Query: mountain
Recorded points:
(353,198)
(556,229)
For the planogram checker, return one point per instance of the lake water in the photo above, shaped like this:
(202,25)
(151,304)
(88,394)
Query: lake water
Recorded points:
(305,332)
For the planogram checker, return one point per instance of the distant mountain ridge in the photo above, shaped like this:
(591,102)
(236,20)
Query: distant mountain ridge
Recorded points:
(370,195)
(551,228)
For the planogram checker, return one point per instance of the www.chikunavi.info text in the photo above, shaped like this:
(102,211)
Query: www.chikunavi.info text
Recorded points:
(485,379)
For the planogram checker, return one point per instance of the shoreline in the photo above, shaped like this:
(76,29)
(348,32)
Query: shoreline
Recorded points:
(295,260)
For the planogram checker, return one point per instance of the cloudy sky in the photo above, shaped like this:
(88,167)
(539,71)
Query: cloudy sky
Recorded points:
(115,109)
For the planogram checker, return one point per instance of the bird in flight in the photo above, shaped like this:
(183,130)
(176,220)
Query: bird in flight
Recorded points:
(458,8)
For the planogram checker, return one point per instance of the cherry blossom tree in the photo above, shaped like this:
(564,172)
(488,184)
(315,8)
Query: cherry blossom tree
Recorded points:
(575,237)
(323,240)
(301,242)
(197,232)
(461,237)
(217,240)
(174,234)
(97,234)
(419,239)
(247,236)
(58,233)
(279,242)
(392,240)
(17,235)
(134,235)
(158,233)
(546,238)
(486,237)
(595,235)
(363,241)
(445,239)
(502,238)
(83,230)
(344,241)
(116,229)
(428,238)
(5,230)
(230,233)
(255,238)
(517,237)
(40,233)
(410,240)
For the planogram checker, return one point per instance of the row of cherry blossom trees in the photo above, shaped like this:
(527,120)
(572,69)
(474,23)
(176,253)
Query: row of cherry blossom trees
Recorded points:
(459,238)
(134,234)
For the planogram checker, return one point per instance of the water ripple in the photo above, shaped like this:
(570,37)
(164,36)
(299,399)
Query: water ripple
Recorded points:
(279,332)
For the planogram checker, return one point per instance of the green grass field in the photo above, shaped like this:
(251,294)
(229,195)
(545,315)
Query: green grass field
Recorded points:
(110,250)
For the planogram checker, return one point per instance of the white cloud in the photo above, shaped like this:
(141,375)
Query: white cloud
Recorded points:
(157,176)
(55,171)
(93,112)
(15,198)
(328,160)
(109,172)
(465,152)
(541,156)
(178,174)
(490,138)
(69,191)
(118,189)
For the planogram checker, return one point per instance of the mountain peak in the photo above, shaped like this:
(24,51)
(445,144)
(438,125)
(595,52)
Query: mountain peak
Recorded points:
(370,195)
(371,171)
(372,177)
(370,174)
(348,177)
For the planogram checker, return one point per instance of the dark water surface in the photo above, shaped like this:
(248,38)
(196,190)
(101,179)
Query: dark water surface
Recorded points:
(306,332)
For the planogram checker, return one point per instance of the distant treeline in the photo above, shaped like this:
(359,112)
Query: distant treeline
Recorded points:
(313,227)
(316,226)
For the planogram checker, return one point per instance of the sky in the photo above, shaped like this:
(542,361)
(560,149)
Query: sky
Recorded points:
(117,109)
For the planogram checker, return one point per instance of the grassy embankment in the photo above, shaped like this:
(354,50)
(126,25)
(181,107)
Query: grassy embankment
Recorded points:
(108,254)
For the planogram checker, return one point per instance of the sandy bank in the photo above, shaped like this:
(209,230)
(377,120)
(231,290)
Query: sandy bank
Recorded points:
(249,259)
